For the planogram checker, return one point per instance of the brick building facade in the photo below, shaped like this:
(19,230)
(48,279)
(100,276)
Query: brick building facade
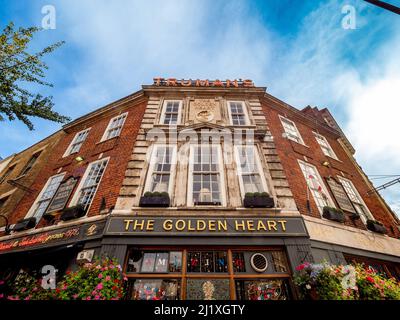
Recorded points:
(199,184)
(18,173)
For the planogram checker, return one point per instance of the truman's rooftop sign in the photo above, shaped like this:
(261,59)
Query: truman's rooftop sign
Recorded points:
(172,82)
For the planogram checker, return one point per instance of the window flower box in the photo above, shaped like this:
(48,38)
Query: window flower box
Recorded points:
(333,214)
(376,226)
(74,212)
(258,200)
(155,199)
(25,224)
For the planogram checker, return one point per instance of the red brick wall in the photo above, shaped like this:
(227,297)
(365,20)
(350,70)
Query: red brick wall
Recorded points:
(119,150)
(289,153)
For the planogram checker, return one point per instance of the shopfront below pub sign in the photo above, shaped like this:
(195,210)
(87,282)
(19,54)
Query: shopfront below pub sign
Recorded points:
(184,226)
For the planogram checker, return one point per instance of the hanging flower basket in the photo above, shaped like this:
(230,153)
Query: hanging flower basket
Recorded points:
(258,200)
(333,214)
(155,199)
(376,226)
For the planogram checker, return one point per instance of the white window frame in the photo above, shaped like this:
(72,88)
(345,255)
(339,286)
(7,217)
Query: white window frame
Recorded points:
(331,203)
(246,114)
(164,109)
(360,199)
(152,163)
(221,176)
(289,135)
(39,197)
(75,198)
(332,153)
(73,142)
(105,134)
(259,168)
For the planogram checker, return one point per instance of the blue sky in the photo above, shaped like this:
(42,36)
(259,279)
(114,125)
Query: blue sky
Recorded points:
(297,49)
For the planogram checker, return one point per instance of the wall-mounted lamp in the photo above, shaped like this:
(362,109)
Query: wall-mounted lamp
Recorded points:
(326,163)
(79,158)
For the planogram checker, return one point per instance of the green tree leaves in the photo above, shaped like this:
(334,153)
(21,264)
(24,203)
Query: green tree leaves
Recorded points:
(17,67)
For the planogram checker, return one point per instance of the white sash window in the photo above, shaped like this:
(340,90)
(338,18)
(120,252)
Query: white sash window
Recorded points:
(356,199)
(316,186)
(114,127)
(43,200)
(206,181)
(89,183)
(237,113)
(161,169)
(251,178)
(171,113)
(325,146)
(77,142)
(291,130)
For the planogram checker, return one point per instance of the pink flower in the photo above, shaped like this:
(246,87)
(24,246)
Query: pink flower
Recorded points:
(100,276)
(1,282)
(108,278)
(99,286)
(125,278)
(28,298)
(23,290)
(1,296)
(97,298)
(88,298)
(75,296)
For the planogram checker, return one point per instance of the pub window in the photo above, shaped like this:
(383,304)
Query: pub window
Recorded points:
(316,186)
(251,178)
(77,142)
(161,169)
(206,175)
(262,289)
(291,130)
(89,184)
(356,199)
(207,261)
(207,274)
(29,164)
(42,202)
(171,112)
(237,113)
(114,127)
(325,146)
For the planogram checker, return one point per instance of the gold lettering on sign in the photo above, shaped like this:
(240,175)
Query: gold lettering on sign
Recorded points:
(261,225)
(250,225)
(137,224)
(150,225)
(283,224)
(241,225)
(127,223)
(272,225)
(180,225)
(222,225)
(167,225)
(203,225)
